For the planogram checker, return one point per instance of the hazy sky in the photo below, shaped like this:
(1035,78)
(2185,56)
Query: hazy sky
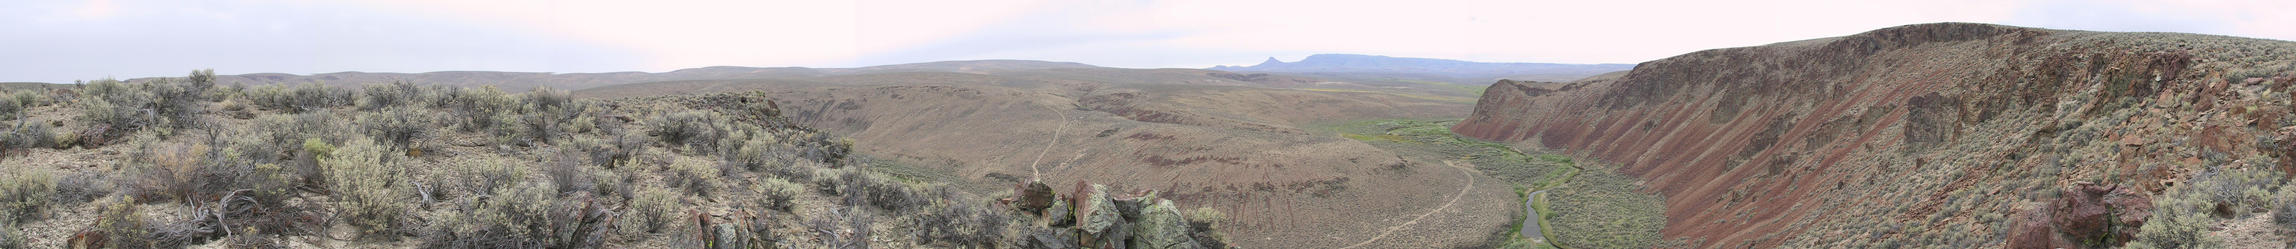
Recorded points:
(60,41)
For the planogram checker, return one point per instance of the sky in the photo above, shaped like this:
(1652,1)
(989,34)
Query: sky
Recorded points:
(60,41)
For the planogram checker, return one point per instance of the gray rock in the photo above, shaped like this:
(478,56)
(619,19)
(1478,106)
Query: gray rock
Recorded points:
(1058,215)
(1095,213)
(1129,205)
(1161,227)
(1051,239)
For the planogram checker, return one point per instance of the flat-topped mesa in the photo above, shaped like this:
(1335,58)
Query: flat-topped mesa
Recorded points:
(1760,145)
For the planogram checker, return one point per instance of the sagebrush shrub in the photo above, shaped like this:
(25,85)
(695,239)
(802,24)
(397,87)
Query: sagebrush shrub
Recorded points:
(30,98)
(113,118)
(582,125)
(398,128)
(367,186)
(299,98)
(2183,215)
(506,130)
(395,94)
(688,128)
(478,108)
(757,153)
(526,215)
(315,96)
(289,131)
(176,104)
(82,187)
(25,193)
(168,170)
(200,80)
(618,150)
(565,172)
(9,239)
(31,134)
(122,224)
(487,175)
(540,127)
(107,89)
(865,188)
(2284,214)
(608,183)
(10,109)
(653,209)
(2234,193)
(828,181)
(696,176)
(544,98)
(776,193)
(959,223)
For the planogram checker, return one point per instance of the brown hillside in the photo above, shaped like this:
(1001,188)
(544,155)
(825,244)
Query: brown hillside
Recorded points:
(1231,142)
(1929,134)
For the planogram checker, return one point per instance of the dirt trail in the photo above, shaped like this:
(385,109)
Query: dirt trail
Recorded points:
(1033,173)
(1463,189)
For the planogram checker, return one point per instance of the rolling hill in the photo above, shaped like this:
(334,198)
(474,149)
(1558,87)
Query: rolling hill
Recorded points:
(1383,68)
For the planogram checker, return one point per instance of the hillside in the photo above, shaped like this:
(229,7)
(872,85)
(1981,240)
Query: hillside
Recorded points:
(1236,144)
(1373,67)
(1950,134)
(182,163)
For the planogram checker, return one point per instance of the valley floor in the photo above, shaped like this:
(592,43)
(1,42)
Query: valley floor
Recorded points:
(1604,209)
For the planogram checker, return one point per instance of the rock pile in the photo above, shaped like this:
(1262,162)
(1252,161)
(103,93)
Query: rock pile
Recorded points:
(1092,217)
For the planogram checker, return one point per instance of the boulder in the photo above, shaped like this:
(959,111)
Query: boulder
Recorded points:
(1058,215)
(1053,239)
(2031,230)
(1129,205)
(2081,211)
(2090,210)
(1095,213)
(1161,227)
(727,236)
(2130,209)
(1032,196)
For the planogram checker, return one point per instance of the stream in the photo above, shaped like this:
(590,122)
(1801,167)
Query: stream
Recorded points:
(1531,223)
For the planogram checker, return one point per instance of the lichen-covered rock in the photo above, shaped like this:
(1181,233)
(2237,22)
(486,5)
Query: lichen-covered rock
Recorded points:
(1095,213)
(727,236)
(1129,205)
(1058,215)
(1052,239)
(1161,227)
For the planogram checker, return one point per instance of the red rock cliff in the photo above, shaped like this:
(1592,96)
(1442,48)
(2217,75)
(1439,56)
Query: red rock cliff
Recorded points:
(1759,146)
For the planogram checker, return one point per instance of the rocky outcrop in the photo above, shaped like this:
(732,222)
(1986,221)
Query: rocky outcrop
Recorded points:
(1920,125)
(1139,220)
(2100,215)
